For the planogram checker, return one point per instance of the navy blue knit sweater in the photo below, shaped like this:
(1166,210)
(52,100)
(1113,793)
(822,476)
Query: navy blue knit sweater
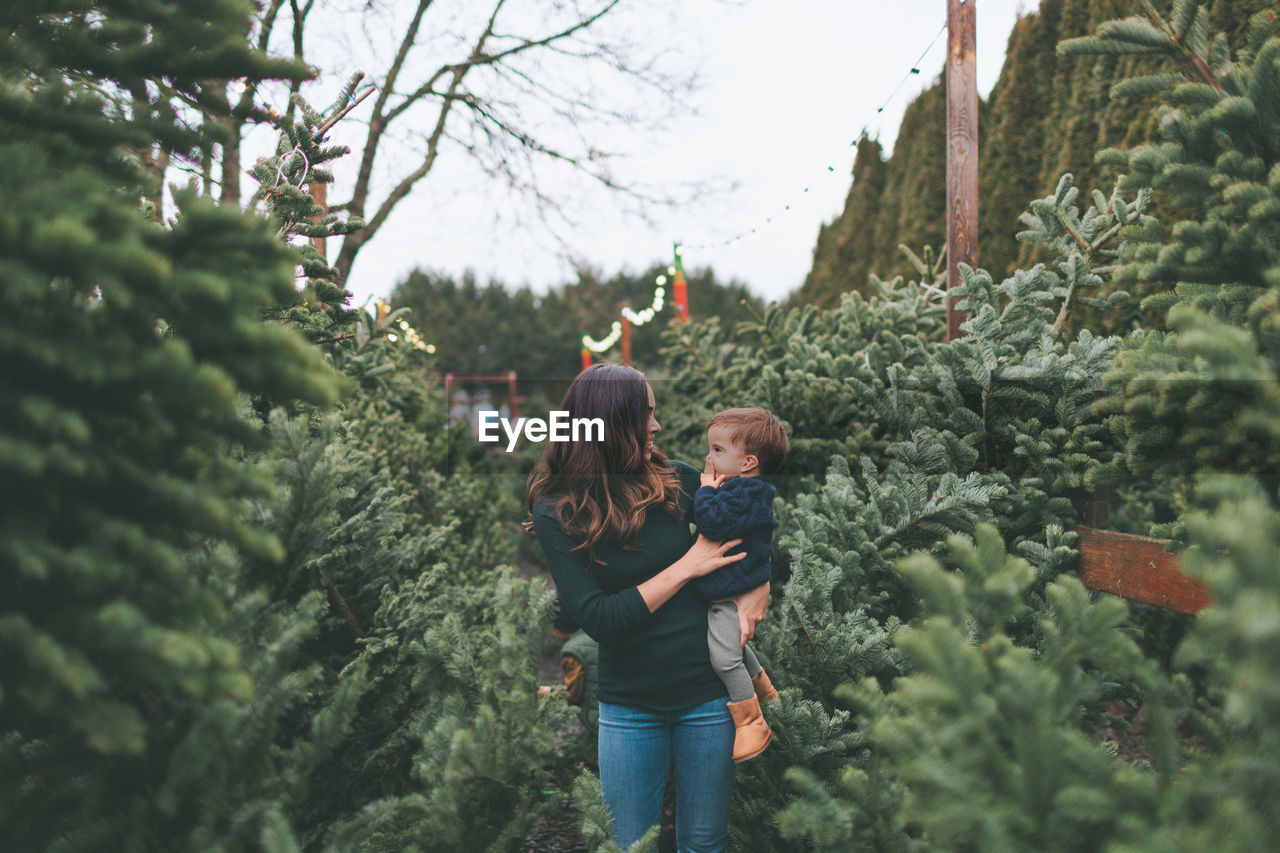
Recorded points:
(741,507)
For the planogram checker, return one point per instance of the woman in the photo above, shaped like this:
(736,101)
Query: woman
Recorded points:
(612,517)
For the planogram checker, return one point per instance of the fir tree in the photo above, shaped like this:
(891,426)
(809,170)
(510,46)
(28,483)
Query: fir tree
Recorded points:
(195,591)
(985,732)
(131,661)
(1228,793)
(125,347)
(1203,389)
(923,440)
(285,181)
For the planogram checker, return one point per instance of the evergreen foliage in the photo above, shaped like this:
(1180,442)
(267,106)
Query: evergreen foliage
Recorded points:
(1009,402)
(596,822)
(1048,114)
(221,625)
(285,181)
(125,349)
(454,746)
(237,613)
(923,440)
(844,250)
(491,329)
(1229,792)
(985,732)
(1202,390)
(989,736)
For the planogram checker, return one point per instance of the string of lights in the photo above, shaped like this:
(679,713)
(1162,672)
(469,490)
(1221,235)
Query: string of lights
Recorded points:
(640,318)
(829,169)
(411,335)
(604,345)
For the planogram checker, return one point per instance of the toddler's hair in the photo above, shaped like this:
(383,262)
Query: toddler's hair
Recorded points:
(757,432)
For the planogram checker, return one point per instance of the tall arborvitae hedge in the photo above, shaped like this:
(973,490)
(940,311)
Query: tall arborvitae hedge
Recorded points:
(1047,114)
(841,248)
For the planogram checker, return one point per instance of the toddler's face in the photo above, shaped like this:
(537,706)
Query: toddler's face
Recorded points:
(725,458)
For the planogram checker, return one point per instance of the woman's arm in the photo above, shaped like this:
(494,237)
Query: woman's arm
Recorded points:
(751,607)
(609,616)
(702,559)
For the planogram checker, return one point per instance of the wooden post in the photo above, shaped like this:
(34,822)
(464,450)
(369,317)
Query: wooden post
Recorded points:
(448,398)
(962,151)
(319,194)
(680,292)
(626,335)
(512,399)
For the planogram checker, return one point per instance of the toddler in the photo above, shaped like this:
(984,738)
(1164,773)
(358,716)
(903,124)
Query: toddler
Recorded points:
(736,501)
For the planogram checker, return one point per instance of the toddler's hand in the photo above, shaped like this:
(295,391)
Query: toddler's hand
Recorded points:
(709,477)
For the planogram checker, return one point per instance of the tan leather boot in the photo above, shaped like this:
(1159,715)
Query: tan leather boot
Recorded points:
(764,687)
(752,735)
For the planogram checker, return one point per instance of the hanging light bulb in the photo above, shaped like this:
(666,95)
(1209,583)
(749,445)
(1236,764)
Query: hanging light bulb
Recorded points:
(615,332)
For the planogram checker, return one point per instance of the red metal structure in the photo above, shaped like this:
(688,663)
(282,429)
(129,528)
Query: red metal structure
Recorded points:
(451,381)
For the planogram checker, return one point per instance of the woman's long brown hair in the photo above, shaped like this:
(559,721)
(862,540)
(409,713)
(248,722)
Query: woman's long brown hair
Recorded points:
(603,488)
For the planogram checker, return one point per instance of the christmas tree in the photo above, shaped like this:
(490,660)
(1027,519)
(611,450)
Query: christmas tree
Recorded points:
(127,349)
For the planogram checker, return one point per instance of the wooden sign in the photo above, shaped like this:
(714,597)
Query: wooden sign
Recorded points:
(1137,568)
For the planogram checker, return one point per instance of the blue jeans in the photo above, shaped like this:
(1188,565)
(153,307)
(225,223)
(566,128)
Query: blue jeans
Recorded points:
(639,747)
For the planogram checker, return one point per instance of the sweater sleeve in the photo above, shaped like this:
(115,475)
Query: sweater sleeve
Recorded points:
(606,617)
(731,510)
(709,513)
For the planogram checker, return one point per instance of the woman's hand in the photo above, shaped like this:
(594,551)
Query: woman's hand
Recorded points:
(707,555)
(703,558)
(751,607)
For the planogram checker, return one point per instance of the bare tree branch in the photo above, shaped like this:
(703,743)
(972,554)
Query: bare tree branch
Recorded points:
(352,243)
(531,84)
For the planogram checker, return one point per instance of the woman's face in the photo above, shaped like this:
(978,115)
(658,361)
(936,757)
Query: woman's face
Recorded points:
(654,427)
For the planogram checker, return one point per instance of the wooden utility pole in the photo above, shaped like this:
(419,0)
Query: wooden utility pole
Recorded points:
(962,151)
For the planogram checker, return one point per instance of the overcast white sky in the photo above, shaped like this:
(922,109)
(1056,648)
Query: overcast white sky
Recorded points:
(787,87)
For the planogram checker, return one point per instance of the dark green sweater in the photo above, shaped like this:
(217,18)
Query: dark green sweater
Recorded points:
(655,660)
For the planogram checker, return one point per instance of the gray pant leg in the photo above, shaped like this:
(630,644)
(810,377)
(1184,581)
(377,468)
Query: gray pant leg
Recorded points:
(752,664)
(726,655)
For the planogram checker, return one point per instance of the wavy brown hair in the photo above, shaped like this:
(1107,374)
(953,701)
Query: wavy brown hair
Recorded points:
(603,488)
